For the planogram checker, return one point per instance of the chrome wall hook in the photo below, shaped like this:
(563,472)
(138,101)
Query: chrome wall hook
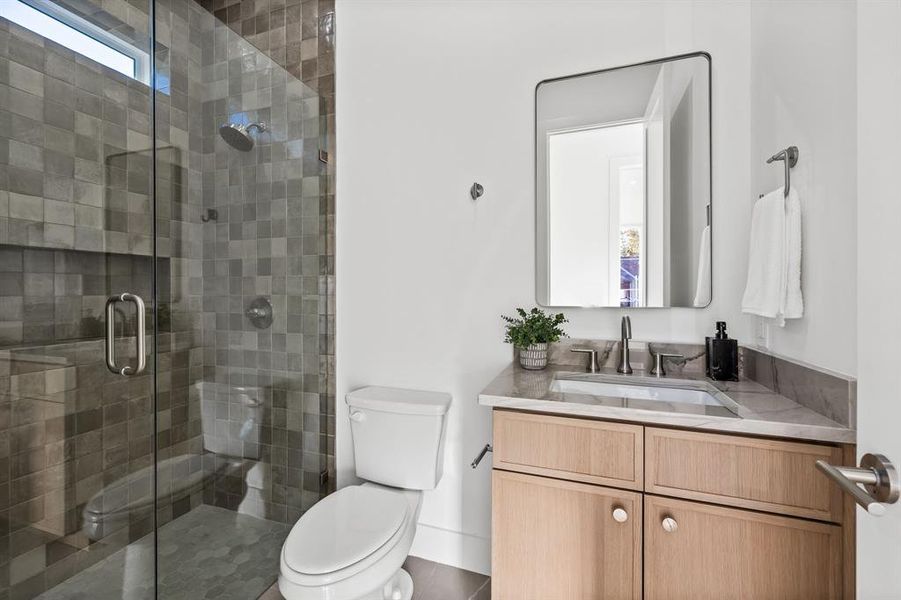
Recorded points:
(476,191)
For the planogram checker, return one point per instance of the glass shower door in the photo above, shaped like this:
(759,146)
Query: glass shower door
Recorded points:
(242,440)
(76,271)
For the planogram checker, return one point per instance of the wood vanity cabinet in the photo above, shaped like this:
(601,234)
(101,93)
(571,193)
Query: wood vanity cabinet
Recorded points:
(701,515)
(562,539)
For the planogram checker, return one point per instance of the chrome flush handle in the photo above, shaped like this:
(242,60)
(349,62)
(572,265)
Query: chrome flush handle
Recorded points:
(485,450)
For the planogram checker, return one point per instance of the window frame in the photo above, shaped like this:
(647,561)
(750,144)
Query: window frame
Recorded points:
(141,59)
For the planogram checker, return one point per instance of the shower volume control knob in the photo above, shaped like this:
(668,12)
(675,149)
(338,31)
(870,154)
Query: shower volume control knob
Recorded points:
(620,515)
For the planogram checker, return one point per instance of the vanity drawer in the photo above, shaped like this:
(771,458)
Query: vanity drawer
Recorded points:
(575,449)
(750,473)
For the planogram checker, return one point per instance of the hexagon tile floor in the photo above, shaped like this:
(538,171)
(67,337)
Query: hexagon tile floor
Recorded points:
(209,552)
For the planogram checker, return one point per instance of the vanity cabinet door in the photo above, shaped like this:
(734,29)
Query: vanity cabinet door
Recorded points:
(560,540)
(695,551)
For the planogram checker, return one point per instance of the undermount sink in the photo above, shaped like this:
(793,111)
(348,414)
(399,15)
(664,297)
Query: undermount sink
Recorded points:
(680,395)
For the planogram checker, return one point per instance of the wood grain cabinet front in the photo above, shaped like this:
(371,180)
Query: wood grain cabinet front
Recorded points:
(722,517)
(768,475)
(559,540)
(576,449)
(696,551)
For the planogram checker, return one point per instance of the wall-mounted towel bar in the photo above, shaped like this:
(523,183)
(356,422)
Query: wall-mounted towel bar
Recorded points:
(789,157)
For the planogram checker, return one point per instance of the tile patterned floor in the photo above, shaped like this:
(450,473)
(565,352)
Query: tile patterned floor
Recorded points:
(433,581)
(213,553)
(209,552)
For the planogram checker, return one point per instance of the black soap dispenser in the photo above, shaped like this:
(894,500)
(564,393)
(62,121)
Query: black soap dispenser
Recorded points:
(722,355)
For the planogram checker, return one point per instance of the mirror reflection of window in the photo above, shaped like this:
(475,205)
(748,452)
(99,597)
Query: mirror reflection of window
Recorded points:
(596,182)
(631,202)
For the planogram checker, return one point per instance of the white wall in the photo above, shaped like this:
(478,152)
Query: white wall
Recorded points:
(432,96)
(803,74)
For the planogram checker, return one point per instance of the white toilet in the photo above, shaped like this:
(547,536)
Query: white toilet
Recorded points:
(351,545)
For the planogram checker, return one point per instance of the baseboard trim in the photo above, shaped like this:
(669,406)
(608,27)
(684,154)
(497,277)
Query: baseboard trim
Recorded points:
(455,548)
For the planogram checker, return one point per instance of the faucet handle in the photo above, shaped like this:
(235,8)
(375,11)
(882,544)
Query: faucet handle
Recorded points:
(658,362)
(593,358)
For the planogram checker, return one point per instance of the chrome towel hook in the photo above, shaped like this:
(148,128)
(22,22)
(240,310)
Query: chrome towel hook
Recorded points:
(789,157)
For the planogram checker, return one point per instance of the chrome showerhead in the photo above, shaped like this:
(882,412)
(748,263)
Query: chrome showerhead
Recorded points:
(237,135)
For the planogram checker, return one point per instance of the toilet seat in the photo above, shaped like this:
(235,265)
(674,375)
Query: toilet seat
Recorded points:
(348,526)
(368,573)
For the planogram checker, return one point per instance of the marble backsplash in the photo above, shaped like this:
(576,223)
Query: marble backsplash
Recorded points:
(829,394)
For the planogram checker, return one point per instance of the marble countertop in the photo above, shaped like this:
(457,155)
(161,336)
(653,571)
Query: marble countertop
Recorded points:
(756,410)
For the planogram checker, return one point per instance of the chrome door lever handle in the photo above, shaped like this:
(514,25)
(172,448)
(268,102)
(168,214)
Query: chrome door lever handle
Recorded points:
(878,476)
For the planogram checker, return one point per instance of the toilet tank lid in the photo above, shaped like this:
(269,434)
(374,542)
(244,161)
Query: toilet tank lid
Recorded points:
(399,400)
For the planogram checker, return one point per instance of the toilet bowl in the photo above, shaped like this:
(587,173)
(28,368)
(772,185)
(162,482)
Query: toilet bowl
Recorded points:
(352,544)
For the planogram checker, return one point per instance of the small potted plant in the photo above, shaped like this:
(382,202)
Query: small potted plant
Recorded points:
(531,332)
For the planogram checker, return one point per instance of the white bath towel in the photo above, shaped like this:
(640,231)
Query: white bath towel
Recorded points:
(702,290)
(793,301)
(773,288)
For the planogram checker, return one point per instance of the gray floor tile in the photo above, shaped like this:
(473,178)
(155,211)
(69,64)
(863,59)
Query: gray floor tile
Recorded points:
(209,552)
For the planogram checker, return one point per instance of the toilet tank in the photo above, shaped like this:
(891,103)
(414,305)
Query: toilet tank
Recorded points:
(398,435)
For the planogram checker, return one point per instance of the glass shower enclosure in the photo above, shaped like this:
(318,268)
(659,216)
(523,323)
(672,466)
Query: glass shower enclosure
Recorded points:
(161,307)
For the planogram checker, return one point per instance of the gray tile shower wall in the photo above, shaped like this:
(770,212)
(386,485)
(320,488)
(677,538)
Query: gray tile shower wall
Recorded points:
(263,241)
(65,132)
(245,417)
(75,182)
(49,296)
(299,35)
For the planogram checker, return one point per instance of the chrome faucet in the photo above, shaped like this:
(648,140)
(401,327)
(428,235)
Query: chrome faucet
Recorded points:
(624,366)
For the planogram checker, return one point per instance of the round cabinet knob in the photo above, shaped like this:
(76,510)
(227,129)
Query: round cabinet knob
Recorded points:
(620,515)
(669,524)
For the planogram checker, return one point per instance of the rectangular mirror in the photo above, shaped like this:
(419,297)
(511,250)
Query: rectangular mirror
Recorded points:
(623,186)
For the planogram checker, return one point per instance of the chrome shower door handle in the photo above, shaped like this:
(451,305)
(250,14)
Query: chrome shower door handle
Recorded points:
(140,342)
